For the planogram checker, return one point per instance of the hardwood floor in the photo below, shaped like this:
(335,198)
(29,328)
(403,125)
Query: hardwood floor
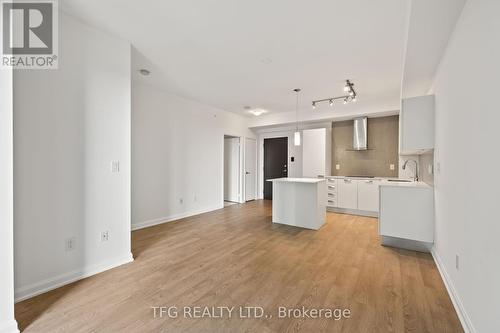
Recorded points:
(236,257)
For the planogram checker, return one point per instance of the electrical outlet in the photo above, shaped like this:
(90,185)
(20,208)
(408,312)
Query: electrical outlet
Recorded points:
(105,236)
(115,166)
(391,166)
(195,198)
(70,244)
(457,262)
(337,166)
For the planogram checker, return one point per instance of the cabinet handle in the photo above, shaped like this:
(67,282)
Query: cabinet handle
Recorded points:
(347,180)
(330,186)
(369,181)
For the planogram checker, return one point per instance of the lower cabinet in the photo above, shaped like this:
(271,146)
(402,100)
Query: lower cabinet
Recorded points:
(348,193)
(355,194)
(407,212)
(368,195)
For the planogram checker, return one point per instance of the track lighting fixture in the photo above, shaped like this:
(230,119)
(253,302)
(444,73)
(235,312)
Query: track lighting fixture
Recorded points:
(349,97)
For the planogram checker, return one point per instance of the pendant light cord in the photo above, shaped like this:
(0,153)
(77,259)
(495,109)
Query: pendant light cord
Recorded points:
(297,110)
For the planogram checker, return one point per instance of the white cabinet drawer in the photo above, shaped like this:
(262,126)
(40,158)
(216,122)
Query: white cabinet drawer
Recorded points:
(331,203)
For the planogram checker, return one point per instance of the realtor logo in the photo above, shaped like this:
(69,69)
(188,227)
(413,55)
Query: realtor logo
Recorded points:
(29,34)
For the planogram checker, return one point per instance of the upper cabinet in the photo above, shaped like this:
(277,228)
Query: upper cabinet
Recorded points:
(416,125)
(316,152)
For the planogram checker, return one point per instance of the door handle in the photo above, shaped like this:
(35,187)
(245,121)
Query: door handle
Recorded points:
(247,173)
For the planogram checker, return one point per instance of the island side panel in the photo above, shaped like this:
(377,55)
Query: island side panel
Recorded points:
(321,204)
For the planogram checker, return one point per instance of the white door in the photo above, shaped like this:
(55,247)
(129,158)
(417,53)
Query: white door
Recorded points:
(368,195)
(250,168)
(348,193)
(231,169)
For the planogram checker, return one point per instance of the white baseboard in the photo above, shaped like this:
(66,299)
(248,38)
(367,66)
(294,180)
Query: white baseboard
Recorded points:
(351,211)
(174,217)
(9,327)
(66,278)
(455,299)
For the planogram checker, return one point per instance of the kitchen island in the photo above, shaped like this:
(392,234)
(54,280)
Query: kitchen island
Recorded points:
(299,202)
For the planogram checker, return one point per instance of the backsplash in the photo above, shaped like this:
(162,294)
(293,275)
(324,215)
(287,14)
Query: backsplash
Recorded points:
(427,164)
(383,136)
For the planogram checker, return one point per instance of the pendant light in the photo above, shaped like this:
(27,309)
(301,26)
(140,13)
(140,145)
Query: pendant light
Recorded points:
(296,137)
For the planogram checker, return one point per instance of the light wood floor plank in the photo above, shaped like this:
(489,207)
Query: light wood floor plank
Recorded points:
(236,257)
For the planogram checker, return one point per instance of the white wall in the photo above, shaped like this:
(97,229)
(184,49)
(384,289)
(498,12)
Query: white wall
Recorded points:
(7,321)
(69,124)
(467,185)
(178,153)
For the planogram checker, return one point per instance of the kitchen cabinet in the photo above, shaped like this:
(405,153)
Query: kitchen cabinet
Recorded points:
(368,195)
(347,193)
(416,125)
(407,212)
(316,152)
(331,191)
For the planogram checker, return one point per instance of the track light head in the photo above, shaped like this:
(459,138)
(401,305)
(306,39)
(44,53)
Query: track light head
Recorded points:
(314,105)
(331,102)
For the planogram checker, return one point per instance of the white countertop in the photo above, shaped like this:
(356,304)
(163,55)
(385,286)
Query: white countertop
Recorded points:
(406,184)
(386,182)
(298,180)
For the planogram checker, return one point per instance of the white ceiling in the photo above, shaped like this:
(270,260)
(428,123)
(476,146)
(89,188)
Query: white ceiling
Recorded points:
(232,53)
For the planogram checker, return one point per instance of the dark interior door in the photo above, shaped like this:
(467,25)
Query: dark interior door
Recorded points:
(275,162)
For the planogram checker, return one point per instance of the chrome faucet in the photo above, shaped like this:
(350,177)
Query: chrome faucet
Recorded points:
(416,168)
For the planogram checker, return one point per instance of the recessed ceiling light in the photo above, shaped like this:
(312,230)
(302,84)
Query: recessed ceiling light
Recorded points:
(257,112)
(144,71)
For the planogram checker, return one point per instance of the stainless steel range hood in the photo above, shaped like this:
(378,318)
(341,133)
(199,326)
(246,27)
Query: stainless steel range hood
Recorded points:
(360,134)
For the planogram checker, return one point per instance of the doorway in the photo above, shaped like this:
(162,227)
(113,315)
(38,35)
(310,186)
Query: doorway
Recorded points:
(231,169)
(250,169)
(275,162)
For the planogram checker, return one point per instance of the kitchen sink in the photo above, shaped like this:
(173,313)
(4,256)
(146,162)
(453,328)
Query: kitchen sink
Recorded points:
(401,180)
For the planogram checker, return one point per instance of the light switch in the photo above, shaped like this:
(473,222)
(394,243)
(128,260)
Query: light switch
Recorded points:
(391,166)
(337,166)
(115,166)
